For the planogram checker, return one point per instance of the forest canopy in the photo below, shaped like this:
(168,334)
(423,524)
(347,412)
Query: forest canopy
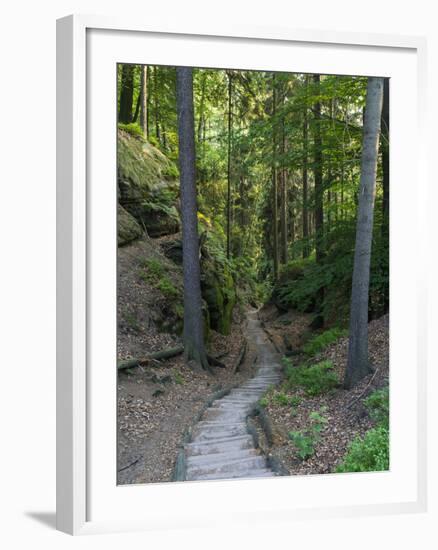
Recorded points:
(253,127)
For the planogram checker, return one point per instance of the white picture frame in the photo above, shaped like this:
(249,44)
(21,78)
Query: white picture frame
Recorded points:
(85,501)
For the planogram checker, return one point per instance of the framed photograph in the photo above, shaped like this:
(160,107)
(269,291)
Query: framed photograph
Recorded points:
(234,208)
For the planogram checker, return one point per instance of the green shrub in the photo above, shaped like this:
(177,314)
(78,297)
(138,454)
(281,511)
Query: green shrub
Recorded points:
(154,268)
(368,454)
(314,379)
(377,404)
(264,402)
(281,399)
(295,400)
(177,377)
(306,441)
(321,341)
(166,287)
(154,274)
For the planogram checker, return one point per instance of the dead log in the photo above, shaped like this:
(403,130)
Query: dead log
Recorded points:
(156,356)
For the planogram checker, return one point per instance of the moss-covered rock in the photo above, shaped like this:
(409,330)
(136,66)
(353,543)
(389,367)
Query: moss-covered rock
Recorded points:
(147,187)
(128,229)
(218,290)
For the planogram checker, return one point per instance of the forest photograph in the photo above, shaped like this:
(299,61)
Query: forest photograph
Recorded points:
(252,274)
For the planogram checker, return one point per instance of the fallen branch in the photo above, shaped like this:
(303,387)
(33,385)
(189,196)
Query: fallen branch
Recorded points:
(156,356)
(355,400)
(129,465)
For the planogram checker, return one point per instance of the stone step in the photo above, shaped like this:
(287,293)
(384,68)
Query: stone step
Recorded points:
(237,465)
(205,434)
(221,458)
(256,473)
(233,440)
(217,424)
(217,447)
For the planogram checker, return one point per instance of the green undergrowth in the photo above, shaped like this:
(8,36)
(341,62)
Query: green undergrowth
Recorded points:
(154,273)
(370,453)
(306,440)
(319,342)
(314,379)
(302,282)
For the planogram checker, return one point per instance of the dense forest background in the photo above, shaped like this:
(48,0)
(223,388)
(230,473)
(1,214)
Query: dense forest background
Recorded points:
(278,161)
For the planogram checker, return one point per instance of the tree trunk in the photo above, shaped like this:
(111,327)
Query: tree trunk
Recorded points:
(317,170)
(148,103)
(194,347)
(144,100)
(230,130)
(319,192)
(156,106)
(385,149)
(306,250)
(201,123)
(137,104)
(358,364)
(283,191)
(274,177)
(126,94)
(384,141)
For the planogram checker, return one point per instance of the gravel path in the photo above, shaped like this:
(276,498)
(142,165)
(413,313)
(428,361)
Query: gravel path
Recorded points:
(221,447)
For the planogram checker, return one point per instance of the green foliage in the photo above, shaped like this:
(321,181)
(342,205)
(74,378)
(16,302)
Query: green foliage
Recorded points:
(321,341)
(281,399)
(149,166)
(305,441)
(166,287)
(377,404)
(264,402)
(295,400)
(154,268)
(133,129)
(177,377)
(371,452)
(155,274)
(314,379)
(368,454)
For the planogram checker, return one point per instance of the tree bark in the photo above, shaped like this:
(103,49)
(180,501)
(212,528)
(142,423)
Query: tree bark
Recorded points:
(274,177)
(144,100)
(358,363)
(384,141)
(230,130)
(283,193)
(193,335)
(156,106)
(201,123)
(306,250)
(317,170)
(126,94)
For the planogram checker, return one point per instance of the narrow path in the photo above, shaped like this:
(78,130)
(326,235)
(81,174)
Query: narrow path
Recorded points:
(221,447)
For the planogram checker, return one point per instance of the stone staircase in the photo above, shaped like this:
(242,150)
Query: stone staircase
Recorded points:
(221,447)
